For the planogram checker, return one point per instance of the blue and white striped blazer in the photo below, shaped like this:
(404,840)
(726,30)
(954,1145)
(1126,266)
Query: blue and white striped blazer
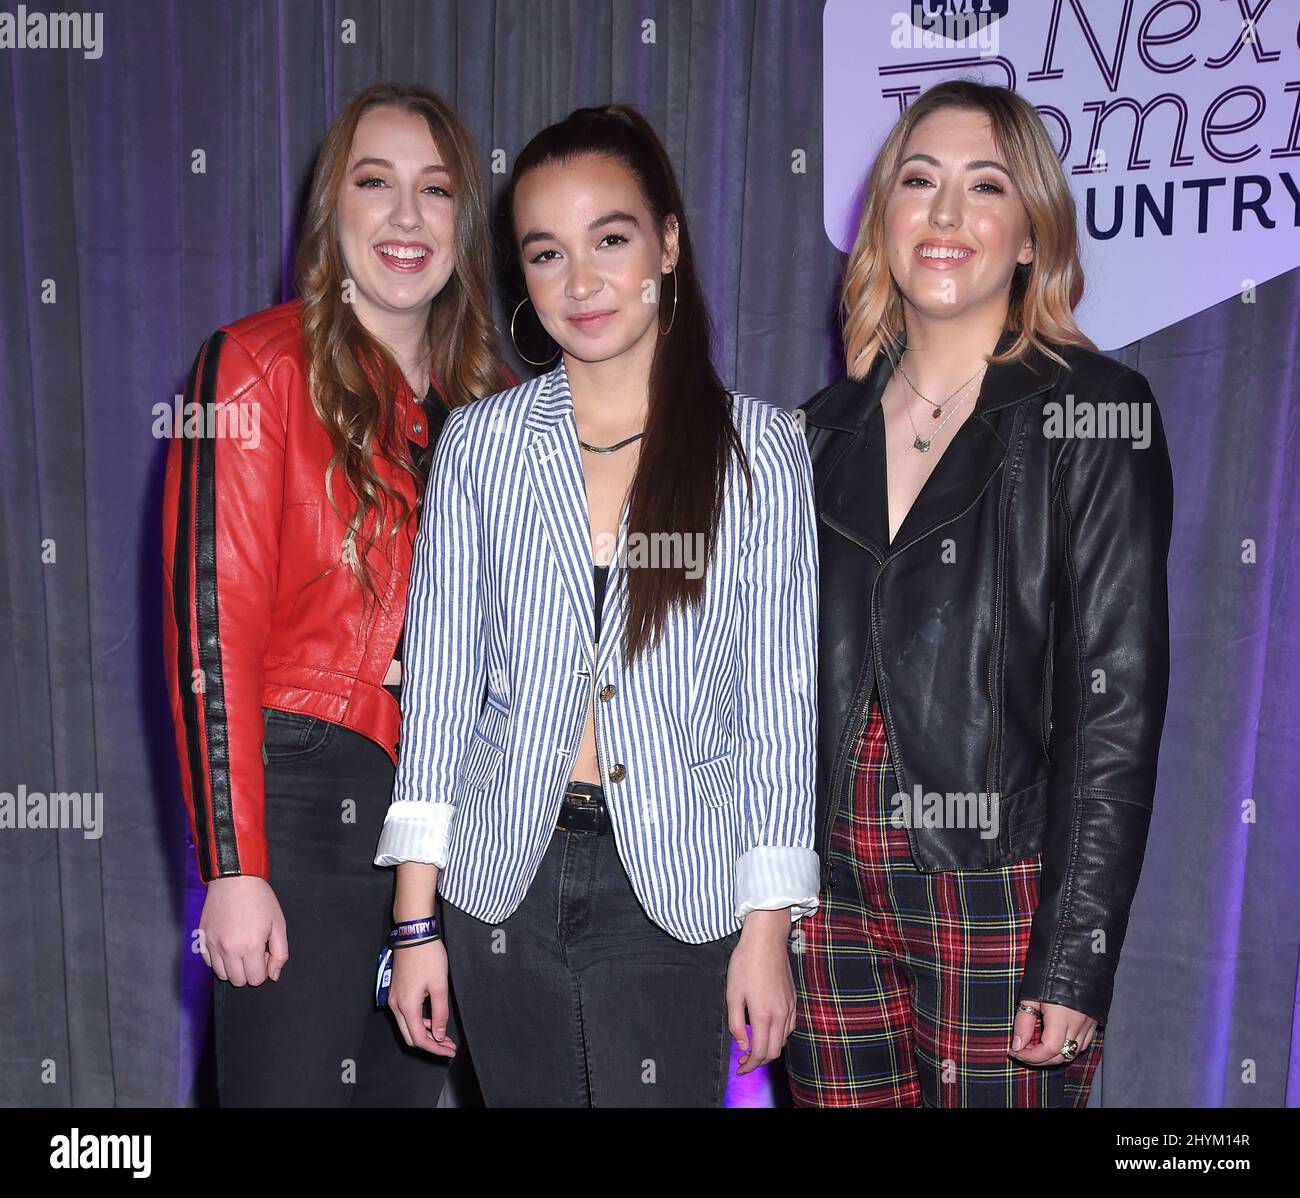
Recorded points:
(715,728)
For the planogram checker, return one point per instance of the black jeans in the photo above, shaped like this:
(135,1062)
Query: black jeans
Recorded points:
(314,1038)
(579,999)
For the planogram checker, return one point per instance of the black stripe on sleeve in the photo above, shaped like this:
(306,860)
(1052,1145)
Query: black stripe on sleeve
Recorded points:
(181,557)
(209,634)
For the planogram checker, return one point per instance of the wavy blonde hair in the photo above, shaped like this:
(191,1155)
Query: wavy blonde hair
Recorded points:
(1044,292)
(351,375)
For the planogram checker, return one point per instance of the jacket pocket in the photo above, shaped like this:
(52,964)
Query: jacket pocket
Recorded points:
(486,747)
(290,735)
(713,781)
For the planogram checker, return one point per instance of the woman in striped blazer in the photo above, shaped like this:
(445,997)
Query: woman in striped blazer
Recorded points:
(606,773)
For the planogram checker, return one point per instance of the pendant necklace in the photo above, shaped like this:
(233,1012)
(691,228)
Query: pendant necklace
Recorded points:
(939,407)
(922,444)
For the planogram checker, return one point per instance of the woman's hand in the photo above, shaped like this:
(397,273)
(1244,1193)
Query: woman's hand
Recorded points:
(242,936)
(1031,1045)
(759,982)
(420,972)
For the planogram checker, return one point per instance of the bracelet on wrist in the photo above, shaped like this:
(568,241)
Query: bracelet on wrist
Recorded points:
(406,933)
(408,929)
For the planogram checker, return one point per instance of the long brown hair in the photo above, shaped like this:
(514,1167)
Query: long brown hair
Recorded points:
(679,485)
(1044,292)
(351,375)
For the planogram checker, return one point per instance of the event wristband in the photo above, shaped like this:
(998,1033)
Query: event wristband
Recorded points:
(403,935)
(413,929)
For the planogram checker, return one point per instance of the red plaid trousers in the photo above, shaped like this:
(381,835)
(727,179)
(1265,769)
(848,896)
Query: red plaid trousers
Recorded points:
(908,981)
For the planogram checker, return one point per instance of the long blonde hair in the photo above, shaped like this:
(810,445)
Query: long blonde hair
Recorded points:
(351,375)
(1044,292)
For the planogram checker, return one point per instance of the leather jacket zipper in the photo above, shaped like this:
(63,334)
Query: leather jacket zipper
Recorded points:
(891,734)
(840,766)
(1045,706)
(838,774)
(994,655)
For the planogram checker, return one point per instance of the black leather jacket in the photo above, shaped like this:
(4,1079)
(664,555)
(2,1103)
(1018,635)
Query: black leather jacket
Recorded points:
(1017,628)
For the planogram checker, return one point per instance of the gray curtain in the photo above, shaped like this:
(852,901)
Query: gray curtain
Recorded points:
(119,260)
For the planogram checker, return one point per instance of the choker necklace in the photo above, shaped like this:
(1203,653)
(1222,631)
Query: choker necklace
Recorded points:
(610,448)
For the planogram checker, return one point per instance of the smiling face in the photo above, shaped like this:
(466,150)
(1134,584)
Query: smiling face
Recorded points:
(955,225)
(591,255)
(396,216)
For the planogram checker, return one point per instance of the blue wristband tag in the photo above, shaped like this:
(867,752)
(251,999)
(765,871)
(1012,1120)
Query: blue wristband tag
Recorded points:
(413,929)
(383,976)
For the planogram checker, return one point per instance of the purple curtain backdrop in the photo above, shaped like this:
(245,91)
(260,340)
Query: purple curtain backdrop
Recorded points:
(120,256)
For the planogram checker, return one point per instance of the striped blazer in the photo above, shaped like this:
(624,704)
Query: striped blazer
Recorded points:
(706,744)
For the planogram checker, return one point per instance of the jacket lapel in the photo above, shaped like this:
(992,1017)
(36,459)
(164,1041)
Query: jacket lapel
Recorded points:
(972,458)
(849,496)
(559,491)
(854,498)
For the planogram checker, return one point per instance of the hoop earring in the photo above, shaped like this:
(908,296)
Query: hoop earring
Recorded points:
(671,319)
(515,343)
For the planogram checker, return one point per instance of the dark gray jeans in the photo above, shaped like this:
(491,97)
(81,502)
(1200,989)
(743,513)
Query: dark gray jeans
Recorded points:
(579,999)
(315,1038)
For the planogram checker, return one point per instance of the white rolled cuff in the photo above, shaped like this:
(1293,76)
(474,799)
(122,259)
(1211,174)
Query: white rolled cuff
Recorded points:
(416,831)
(772,877)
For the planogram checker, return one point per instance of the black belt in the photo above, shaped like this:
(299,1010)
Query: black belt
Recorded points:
(583,809)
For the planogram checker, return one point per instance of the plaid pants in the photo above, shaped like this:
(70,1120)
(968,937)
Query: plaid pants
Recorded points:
(907,981)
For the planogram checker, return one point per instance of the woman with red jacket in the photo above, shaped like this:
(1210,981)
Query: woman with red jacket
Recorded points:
(290,510)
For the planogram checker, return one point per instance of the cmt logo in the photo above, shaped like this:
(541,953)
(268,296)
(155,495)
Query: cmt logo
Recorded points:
(935,14)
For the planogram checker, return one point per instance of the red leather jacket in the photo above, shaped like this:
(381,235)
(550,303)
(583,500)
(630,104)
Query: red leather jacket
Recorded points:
(260,607)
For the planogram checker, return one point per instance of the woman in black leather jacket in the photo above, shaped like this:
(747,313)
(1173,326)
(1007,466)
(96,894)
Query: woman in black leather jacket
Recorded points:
(994,501)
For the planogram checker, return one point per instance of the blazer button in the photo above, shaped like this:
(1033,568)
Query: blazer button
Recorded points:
(607,692)
(617,772)
(417,427)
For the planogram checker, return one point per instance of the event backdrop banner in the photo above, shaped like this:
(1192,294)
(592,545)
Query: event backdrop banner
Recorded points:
(1177,123)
